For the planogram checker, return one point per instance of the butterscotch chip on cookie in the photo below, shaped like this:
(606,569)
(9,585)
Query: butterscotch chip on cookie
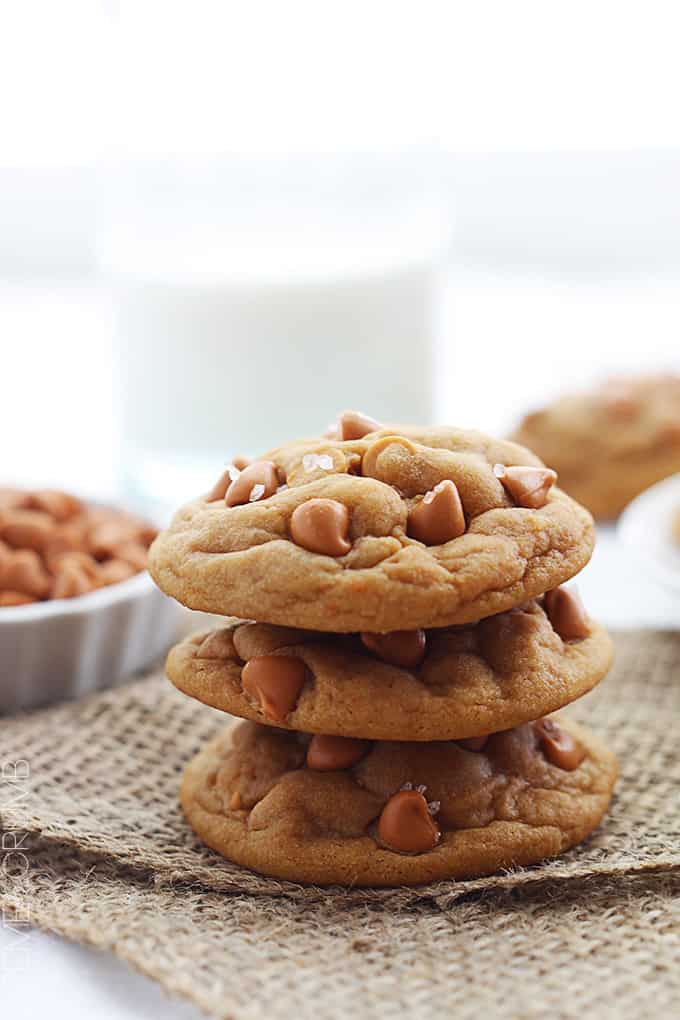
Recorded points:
(397,813)
(611,443)
(438,684)
(397,528)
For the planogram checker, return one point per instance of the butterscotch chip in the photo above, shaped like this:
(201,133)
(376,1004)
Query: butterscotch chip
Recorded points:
(328,754)
(146,533)
(439,517)
(321,526)
(611,443)
(559,746)
(473,680)
(64,542)
(505,807)
(219,489)
(259,480)
(352,425)
(275,683)
(83,562)
(61,506)
(106,538)
(406,825)
(566,614)
(528,486)
(114,571)
(247,560)
(219,644)
(133,553)
(26,529)
(394,459)
(400,647)
(12,499)
(24,572)
(69,581)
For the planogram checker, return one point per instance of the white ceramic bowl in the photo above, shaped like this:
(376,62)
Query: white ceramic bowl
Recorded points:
(646,529)
(69,647)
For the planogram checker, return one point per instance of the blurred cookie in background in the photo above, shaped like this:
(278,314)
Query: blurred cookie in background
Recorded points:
(611,443)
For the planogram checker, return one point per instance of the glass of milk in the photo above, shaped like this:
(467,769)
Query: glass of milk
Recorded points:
(254,299)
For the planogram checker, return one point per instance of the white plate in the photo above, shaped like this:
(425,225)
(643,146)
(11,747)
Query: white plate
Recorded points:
(646,530)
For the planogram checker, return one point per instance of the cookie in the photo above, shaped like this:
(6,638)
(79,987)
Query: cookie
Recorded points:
(400,528)
(412,685)
(329,810)
(612,443)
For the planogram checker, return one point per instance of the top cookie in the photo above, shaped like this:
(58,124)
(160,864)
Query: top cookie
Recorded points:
(612,443)
(396,528)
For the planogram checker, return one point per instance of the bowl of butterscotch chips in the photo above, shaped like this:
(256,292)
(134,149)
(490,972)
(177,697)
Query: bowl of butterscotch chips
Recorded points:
(78,611)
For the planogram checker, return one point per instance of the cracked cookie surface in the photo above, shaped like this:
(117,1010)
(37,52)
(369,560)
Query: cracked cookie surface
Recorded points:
(251,797)
(468,681)
(247,560)
(612,443)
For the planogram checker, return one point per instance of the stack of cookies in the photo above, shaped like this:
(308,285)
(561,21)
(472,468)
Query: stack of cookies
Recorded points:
(400,638)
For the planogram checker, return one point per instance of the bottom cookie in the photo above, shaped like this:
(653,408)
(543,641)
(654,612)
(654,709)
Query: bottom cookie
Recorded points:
(333,810)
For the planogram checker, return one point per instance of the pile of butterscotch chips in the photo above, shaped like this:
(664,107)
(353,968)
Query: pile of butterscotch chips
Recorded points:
(54,545)
(397,639)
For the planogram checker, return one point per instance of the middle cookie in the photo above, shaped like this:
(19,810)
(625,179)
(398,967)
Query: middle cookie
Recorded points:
(444,684)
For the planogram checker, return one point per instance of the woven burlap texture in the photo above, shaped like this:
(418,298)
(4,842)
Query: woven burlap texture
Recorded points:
(104,774)
(107,860)
(604,948)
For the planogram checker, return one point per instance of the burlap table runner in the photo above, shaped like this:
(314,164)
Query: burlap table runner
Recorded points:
(600,948)
(110,861)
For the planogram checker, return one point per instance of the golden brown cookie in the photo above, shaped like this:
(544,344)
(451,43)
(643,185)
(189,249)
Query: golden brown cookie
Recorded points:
(436,685)
(396,813)
(401,528)
(612,443)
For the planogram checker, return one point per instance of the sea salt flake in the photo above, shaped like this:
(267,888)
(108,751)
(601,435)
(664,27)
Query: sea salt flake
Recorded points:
(257,492)
(434,806)
(312,461)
